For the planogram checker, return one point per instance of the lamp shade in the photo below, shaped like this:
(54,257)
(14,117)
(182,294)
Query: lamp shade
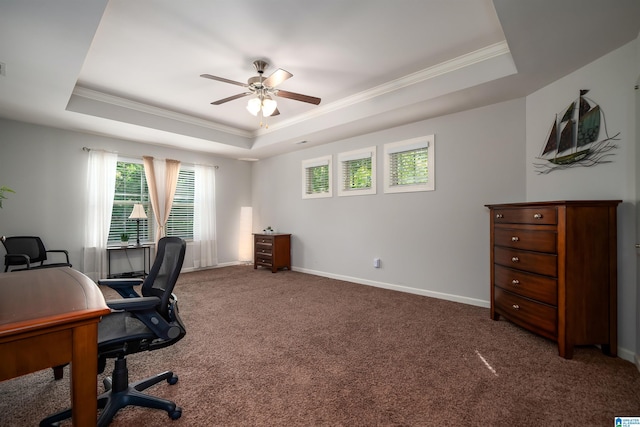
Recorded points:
(254,106)
(268,106)
(138,212)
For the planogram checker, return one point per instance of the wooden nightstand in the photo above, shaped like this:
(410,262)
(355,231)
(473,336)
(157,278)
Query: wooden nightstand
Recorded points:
(272,251)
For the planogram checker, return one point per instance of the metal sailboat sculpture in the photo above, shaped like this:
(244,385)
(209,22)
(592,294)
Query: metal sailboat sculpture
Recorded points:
(573,138)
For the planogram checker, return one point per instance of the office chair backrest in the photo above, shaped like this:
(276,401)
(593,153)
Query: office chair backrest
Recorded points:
(165,271)
(31,246)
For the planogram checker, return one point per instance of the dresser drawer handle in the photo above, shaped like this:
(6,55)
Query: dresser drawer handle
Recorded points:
(516,307)
(537,216)
(515,259)
(515,282)
(499,216)
(515,238)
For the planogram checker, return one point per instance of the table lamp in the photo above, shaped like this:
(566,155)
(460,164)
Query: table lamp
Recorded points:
(138,214)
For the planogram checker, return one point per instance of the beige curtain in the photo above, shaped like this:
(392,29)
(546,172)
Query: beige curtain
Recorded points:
(162,180)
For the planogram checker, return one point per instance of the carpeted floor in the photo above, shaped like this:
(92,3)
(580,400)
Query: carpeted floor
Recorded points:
(291,349)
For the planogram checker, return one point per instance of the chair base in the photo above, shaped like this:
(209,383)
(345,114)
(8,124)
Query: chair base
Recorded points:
(119,394)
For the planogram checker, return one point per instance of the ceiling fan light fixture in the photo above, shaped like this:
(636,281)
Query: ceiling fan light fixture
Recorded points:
(254,105)
(268,106)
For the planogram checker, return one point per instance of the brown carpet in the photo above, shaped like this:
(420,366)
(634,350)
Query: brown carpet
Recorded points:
(291,349)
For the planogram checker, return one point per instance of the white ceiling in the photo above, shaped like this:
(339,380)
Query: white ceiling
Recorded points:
(130,69)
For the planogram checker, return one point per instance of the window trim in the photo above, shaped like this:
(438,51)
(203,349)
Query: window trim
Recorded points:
(390,148)
(362,153)
(310,163)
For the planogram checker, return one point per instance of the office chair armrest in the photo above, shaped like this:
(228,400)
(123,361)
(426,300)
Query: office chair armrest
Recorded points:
(124,287)
(134,304)
(10,259)
(61,251)
(144,309)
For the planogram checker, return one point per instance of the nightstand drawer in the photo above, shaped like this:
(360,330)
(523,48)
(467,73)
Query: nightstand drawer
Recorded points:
(539,288)
(528,313)
(533,262)
(529,240)
(543,215)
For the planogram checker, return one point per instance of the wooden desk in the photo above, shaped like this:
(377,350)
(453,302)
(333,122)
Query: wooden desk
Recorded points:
(50,317)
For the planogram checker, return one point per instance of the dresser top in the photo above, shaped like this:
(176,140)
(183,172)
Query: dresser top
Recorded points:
(556,203)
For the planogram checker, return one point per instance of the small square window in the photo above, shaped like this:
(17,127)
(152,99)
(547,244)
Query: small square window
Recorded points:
(316,178)
(357,172)
(410,165)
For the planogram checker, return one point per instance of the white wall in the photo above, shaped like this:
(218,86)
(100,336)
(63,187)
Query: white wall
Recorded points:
(47,168)
(611,81)
(432,243)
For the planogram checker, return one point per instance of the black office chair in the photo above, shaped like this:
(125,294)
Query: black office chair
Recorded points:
(27,251)
(138,323)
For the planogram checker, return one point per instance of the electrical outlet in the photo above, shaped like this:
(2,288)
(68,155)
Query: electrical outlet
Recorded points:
(376,262)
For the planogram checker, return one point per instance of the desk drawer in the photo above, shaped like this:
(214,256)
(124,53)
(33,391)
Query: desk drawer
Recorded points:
(539,288)
(527,313)
(529,240)
(533,262)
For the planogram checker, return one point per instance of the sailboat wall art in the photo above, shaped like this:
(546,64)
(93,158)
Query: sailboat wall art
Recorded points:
(575,138)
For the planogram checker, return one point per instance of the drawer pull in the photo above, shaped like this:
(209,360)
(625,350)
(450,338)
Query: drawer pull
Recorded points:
(515,238)
(515,282)
(516,307)
(499,216)
(537,216)
(515,259)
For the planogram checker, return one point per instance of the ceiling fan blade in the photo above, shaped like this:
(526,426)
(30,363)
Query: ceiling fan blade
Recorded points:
(222,79)
(298,97)
(231,98)
(275,112)
(277,77)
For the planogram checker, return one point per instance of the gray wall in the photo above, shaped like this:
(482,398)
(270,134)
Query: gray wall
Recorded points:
(431,243)
(47,168)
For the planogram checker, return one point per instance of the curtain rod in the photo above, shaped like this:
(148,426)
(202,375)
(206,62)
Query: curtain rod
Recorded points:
(87,149)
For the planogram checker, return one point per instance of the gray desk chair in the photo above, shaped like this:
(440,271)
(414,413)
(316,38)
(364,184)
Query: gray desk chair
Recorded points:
(138,323)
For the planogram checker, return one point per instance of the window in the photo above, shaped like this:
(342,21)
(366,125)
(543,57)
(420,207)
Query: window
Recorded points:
(180,222)
(131,188)
(357,173)
(316,178)
(409,165)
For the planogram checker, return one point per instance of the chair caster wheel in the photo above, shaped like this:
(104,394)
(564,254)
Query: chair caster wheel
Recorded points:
(175,414)
(172,380)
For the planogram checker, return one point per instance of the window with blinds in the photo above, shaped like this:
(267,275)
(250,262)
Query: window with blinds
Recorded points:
(180,222)
(131,188)
(357,173)
(409,165)
(316,178)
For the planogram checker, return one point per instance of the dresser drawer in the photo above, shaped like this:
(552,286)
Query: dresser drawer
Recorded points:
(264,261)
(545,215)
(533,262)
(527,313)
(539,288)
(264,241)
(530,240)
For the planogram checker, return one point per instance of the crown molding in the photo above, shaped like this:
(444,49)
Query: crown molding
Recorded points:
(463,61)
(156,111)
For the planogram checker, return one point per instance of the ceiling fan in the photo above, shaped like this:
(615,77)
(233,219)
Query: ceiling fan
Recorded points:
(263,89)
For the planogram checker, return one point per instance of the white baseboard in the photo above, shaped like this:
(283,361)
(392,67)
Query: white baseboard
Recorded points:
(423,292)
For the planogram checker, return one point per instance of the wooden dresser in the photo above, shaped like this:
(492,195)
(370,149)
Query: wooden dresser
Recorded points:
(272,251)
(554,270)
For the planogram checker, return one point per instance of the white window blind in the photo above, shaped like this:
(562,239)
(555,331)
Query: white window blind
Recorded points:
(409,165)
(357,172)
(131,188)
(316,178)
(180,222)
